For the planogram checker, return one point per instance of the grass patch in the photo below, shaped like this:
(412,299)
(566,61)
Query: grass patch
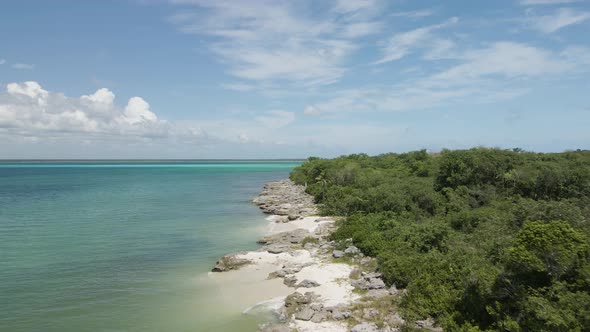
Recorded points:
(309,239)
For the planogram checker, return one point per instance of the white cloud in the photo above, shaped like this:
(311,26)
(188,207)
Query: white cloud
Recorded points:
(545,2)
(311,110)
(295,62)
(578,56)
(505,59)
(562,18)
(243,138)
(440,49)
(270,41)
(348,6)
(31,115)
(489,74)
(29,89)
(24,66)
(138,111)
(2,61)
(361,29)
(238,87)
(276,119)
(401,44)
(101,101)
(29,110)
(414,13)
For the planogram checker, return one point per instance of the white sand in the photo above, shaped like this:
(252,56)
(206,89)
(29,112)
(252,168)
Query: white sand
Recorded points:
(245,288)
(334,286)
(308,326)
(307,223)
(249,289)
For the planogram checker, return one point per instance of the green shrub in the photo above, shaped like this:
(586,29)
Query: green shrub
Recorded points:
(482,239)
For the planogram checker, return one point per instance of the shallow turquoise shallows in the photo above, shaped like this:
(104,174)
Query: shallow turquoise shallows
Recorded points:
(121,246)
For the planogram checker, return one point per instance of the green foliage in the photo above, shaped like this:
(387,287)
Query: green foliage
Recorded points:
(554,250)
(483,239)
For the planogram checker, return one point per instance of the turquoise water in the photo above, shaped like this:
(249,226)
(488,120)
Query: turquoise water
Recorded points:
(120,246)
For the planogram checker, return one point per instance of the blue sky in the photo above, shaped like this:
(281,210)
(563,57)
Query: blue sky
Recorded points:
(289,79)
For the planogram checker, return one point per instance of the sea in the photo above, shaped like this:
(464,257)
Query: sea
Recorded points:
(125,245)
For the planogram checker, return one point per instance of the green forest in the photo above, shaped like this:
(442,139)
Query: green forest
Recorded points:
(482,239)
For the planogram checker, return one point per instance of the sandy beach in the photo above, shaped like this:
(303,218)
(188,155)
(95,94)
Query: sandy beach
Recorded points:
(298,278)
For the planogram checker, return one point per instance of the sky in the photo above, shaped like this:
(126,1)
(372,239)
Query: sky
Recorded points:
(290,79)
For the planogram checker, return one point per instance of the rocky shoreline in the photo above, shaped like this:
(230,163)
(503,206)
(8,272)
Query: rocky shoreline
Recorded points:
(331,286)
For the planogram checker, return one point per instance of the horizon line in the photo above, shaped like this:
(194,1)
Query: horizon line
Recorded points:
(165,159)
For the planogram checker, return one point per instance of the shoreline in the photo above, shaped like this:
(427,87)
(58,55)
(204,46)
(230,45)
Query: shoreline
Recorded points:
(299,279)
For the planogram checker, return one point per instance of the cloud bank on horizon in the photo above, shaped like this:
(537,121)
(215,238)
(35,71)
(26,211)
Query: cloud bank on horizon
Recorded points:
(296,78)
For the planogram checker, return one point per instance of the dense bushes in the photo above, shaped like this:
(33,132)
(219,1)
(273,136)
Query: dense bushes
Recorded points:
(483,239)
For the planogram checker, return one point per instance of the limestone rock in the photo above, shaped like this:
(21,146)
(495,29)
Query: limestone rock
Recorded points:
(377,293)
(277,248)
(290,281)
(319,316)
(338,253)
(428,324)
(284,238)
(352,250)
(369,313)
(304,313)
(338,315)
(229,262)
(376,283)
(285,198)
(365,327)
(297,299)
(308,283)
(393,290)
(395,319)
(368,283)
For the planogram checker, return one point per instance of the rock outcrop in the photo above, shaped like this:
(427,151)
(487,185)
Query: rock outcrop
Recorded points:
(229,262)
(305,261)
(284,198)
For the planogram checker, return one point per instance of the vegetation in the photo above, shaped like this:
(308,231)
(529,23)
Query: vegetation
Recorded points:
(483,239)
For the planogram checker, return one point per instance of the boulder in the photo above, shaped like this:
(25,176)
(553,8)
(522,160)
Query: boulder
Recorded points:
(395,319)
(319,316)
(229,262)
(308,284)
(297,299)
(277,248)
(393,290)
(376,293)
(338,253)
(369,313)
(428,324)
(304,313)
(372,275)
(290,281)
(327,244)
(368,283)
(338,315)
(286,238)
(352,250)
(365,327)
(376,283)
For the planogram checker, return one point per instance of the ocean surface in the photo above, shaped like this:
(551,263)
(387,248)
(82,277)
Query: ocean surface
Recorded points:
(124,246)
